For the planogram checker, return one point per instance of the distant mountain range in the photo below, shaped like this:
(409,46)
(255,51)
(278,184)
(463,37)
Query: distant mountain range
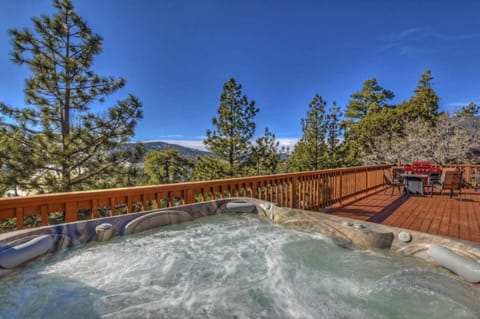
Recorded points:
(189,152)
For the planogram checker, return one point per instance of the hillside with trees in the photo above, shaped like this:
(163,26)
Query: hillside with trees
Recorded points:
(191,153)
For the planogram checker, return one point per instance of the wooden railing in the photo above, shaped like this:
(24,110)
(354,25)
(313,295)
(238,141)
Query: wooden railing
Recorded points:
(306,190)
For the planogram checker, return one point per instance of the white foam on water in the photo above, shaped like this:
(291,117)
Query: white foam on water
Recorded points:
(231,267)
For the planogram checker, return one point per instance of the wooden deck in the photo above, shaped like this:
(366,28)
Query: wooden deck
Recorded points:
(457,217)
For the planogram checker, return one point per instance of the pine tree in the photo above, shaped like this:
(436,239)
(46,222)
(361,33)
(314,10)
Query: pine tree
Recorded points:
(371,98)
(16,162)
(426,100)
(167,166)
(130,176)
(310,151)
(423,105)
(469,110)
(234,127)
(265,156)
(76,145)
(368,114)
(208,168)
(333,137)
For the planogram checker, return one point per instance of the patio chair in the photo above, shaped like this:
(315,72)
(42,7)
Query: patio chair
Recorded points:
(434,180)
(393,178)
(435,183)
(452,181)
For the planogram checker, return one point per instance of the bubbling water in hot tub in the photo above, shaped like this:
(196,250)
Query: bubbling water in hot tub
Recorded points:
(231,267)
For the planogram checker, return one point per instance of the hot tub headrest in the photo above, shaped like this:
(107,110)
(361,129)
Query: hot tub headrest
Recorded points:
(13,256)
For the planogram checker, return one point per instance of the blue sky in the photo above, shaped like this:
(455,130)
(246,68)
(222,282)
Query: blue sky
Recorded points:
(177,54)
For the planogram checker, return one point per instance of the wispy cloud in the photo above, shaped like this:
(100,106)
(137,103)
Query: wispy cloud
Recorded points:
(171,136)
(418,34)
(459,104)
(288,142)
(420,40)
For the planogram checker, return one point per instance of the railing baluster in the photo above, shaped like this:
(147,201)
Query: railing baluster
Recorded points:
(94,209)
(44,214)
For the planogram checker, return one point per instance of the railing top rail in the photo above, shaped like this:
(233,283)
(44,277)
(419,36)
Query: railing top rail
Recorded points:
(461,165)
(449,165)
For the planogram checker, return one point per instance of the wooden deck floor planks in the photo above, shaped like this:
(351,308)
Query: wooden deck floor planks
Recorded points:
(457,217)
(437,218)
(463,227)
(473,216)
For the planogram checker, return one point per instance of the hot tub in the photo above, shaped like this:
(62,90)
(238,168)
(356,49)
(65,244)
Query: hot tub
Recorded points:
(223,261)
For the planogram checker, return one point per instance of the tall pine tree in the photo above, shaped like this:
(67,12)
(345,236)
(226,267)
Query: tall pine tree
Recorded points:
(265,156)
(334,157)
(76,146)
(311,150)
(234,127)
(424,104)
(367,115)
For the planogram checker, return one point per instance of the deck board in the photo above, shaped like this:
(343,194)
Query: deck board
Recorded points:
(438,211)
(446,218)
(440,214)
(464,228)
(473,221)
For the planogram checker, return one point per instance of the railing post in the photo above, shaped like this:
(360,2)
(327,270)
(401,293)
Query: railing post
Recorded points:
(356,181)
(19,216)
(477,178)
(144,202)
(44,214)
(158,199)
(188,196)
(366,180)
(70,212)
(253,190)
(112,206)
(95,208)
(468,171)
(341,187)
(293,195)
(129,204)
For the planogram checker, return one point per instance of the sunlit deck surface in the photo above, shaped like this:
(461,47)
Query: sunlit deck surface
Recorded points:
(457,217)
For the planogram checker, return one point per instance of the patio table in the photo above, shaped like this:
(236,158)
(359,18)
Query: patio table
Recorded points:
(414,183)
